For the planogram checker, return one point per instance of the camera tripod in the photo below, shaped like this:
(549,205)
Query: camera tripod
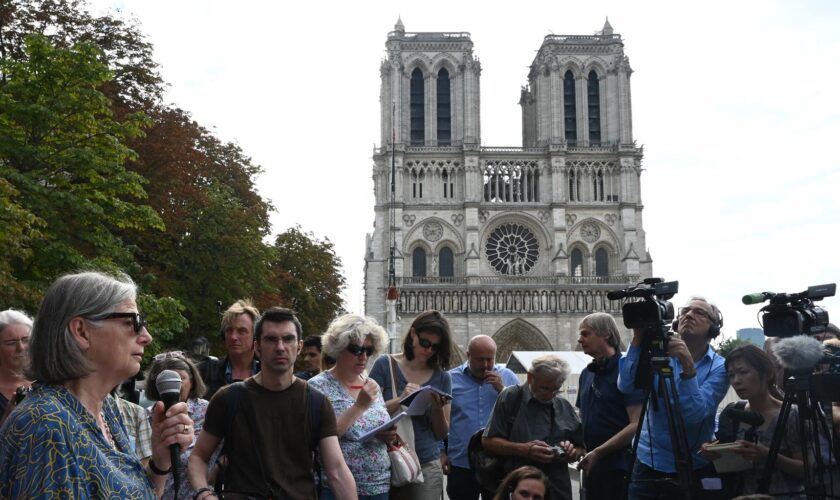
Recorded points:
(811,425)
(657,367)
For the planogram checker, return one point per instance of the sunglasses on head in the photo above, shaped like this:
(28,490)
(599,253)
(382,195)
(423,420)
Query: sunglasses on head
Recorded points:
(427,344)
(167,355)
(358,350)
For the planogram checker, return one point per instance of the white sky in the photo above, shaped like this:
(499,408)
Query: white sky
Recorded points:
(736,103)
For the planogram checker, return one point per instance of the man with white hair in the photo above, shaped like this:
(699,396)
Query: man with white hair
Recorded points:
(609,416)
(532,424)
(476,385)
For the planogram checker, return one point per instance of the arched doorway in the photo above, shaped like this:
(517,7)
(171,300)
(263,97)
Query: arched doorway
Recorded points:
(519,335)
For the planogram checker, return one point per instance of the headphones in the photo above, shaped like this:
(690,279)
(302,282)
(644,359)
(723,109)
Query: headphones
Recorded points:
(597,366)
(714,328)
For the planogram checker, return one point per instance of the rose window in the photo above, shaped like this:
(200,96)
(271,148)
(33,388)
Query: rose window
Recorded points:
(512,249)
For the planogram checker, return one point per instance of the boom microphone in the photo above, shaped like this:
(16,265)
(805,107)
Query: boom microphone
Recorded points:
(799,353)
(168,384)
(756,298)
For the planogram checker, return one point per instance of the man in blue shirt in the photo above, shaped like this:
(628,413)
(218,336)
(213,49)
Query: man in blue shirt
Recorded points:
(701,383)
(609,416)
(475,386)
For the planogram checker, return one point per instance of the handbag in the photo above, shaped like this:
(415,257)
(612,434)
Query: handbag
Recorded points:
(405,466)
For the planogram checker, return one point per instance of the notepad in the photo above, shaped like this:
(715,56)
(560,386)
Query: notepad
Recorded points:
(729,461)
(387,425)
(420,400)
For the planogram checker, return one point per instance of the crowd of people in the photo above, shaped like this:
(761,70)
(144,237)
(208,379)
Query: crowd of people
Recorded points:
(248,426)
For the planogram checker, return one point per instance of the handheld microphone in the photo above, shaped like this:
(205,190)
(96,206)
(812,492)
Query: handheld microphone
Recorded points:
(798,354)
(168,384)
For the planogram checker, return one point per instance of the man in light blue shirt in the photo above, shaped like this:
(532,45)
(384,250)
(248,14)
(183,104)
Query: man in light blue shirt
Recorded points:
(475,386)
(701,383)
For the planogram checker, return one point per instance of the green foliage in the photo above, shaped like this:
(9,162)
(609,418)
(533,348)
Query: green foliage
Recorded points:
(727,345)
(63,152)
(307,273)
(165,321)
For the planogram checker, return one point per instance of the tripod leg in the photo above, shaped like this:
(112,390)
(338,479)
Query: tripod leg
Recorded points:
(676,428)
(776,442)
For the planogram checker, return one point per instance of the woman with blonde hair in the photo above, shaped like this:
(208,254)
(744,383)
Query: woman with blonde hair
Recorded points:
(359,407)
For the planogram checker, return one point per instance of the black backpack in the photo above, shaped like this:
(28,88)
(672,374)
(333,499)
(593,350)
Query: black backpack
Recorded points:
(490,469)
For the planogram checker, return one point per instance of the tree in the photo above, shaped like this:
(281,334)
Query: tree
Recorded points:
(307,273)
(136,82)
(727,345)
(64,154)
(212,248)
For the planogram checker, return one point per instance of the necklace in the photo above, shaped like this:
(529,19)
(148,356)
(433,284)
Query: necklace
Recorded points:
(107,430)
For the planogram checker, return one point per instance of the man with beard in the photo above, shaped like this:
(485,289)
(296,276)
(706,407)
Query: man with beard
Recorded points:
(270,426)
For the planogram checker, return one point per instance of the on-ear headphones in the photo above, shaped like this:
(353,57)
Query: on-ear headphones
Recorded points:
(597,366)
(714,328)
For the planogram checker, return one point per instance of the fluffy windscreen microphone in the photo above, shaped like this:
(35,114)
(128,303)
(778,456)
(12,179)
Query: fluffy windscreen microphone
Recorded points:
(752,418)
(798,354)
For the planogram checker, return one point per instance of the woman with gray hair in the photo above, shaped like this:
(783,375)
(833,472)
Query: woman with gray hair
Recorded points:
(359,407)
(66,437)
(14,342)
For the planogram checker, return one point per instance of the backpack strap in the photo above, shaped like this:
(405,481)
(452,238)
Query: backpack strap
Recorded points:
(316,402)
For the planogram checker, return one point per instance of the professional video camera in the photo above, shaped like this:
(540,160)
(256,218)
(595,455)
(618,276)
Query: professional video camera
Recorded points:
(654,311)
(790,314)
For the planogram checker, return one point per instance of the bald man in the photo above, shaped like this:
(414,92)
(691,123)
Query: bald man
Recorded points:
(475,386)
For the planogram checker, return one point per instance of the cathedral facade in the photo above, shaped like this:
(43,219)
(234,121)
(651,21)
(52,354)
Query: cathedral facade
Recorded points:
(518,243)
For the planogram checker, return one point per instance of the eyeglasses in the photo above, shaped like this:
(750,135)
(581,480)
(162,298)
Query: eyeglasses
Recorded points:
(137,319)
(427,344)
(697,311)
(358,350)
(167,355)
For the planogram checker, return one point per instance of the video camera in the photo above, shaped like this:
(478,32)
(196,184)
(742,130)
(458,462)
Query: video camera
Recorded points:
(652,312)
(790,314)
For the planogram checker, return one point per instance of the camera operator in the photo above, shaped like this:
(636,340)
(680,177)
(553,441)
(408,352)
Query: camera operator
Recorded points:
(701,383)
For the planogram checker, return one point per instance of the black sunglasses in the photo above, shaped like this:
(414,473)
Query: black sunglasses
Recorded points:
(137,319)
(426,344)
(358,350)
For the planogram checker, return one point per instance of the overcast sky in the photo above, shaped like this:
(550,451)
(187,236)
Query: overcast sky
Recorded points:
(735,102)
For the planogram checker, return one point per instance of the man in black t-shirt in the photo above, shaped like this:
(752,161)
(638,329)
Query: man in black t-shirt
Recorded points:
(266,427)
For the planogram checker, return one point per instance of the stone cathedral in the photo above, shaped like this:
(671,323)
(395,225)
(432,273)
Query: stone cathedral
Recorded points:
(518,243)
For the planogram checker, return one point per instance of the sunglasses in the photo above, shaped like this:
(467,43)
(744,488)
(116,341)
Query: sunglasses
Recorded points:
(358,350)
(137,319)
(427,344)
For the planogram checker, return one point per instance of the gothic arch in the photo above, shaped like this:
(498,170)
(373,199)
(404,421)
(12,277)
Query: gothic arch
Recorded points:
(519,335)
(441,61)
(518,217)
(415,234)
(597,66)
(574,65)
(418,60)
(607,236)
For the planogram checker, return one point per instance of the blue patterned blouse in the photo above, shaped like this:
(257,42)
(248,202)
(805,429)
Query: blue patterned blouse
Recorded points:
(368,461)
(51,447)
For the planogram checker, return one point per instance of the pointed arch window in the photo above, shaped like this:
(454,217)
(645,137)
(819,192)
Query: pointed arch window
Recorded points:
(602,264)
(569,108)
(444,113)
(593,95)
(418,262)
(446,263)
(417,108)
(576,262)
